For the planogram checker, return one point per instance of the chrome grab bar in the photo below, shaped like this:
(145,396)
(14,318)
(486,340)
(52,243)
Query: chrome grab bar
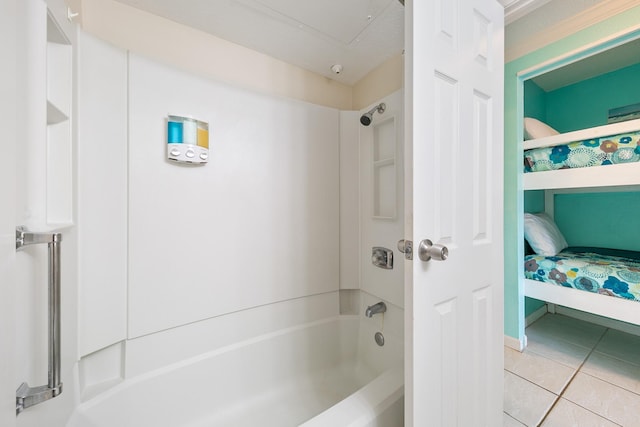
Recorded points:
(29,396)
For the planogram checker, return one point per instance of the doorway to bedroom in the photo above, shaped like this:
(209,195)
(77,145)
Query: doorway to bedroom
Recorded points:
(571,201)
(577,84)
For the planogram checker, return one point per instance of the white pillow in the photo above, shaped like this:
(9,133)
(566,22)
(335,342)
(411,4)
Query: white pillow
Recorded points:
(534,129)
(543,234)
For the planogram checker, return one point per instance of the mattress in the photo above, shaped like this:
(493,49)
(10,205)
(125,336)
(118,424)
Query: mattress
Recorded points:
(608,150)
(603,271)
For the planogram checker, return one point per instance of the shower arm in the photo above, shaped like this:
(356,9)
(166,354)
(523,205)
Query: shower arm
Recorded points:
(380,108)
(29,396)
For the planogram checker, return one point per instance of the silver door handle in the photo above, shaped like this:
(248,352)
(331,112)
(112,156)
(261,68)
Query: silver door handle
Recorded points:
(428,251)
(29,396)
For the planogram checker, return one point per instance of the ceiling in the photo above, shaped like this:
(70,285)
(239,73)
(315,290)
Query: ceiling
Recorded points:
(359,35)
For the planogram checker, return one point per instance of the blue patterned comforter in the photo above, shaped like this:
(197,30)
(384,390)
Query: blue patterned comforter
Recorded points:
(603,274)
(623,148)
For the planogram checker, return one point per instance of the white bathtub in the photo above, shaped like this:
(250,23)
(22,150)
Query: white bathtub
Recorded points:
(322,374)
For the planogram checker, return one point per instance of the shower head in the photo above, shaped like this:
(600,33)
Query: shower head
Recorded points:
(367,117)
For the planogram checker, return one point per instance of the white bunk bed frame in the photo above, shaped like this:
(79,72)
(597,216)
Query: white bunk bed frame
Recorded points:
(617,177)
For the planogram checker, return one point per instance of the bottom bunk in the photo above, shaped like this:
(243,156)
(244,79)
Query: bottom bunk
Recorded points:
(613,308)
(599,281)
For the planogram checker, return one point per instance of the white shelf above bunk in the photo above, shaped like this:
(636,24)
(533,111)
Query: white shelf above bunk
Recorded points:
(625,174)
(603,305)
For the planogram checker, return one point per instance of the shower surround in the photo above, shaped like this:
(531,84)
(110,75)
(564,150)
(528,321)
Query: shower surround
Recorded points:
(189,264)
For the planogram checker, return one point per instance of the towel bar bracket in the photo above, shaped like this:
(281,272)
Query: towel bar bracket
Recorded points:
(30,396)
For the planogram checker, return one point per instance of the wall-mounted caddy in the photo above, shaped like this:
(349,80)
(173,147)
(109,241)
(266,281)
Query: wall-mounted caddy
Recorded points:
(187,140)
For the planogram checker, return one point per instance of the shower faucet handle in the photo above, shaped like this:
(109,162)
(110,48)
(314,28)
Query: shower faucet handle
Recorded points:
(382,257)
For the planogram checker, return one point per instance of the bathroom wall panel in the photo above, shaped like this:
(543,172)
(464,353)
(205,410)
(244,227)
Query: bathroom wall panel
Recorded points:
(154,351)
(258,224)
(349,200)
(102,193)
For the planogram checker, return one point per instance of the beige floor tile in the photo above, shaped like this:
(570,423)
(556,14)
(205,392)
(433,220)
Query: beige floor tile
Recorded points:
(560,351)
(567,329)
(568,414)
(620,345)
(508,421)
(605,391)
(614,371)
(609,401)
(525,401)
(541,371)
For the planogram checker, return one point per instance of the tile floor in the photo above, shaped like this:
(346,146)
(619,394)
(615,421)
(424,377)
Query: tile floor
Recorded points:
(572,373)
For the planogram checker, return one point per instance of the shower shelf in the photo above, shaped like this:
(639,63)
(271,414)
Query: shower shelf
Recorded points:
(384,169)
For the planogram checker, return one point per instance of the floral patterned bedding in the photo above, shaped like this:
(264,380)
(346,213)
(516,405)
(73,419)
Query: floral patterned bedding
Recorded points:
(603,274)
(622,148)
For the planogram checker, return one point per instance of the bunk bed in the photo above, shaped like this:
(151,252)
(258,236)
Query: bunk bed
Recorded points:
(588,172)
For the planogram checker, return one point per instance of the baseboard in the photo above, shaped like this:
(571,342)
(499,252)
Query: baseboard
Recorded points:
(535,315)
(515,343)
(520,345)
(598,320)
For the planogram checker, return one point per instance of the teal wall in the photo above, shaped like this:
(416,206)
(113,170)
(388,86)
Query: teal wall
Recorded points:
(531,305)
(586,104)
(513,114)
(606,220)
(535,101)
(534,201)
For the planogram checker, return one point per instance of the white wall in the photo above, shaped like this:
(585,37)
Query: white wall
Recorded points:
(102,193)
(202,54)
(256,225)
(382,81)
(349,201)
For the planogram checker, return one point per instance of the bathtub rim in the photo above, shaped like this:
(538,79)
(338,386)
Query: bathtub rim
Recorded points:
(192,360)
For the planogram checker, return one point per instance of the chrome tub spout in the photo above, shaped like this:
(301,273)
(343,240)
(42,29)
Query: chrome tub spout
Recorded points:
(380,307)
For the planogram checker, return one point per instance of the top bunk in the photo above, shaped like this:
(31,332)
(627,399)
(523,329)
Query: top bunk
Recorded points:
(601,156)
(594,102)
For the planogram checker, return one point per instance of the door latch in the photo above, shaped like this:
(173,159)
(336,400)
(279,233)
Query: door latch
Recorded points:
(406,247)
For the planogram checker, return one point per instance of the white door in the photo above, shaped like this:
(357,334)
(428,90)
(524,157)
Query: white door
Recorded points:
(454,109)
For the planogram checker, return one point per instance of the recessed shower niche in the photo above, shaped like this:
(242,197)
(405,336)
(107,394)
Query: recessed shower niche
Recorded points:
(48,138)
(384,169)
(59,179)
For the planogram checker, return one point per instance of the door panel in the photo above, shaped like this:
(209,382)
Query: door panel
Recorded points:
(454,307)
